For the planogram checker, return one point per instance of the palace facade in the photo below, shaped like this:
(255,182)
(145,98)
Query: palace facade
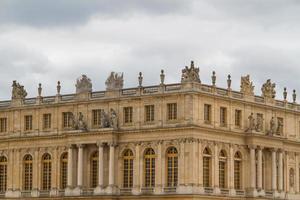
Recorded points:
(177,141)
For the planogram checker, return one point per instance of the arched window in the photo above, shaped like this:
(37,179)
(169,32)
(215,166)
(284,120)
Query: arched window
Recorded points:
(128,169)
(149,163)
(222,169)
(63,170)
(206,167)
(46,172)
(172,167)
(94,169)
(3,173)
(27,172)
(237,170)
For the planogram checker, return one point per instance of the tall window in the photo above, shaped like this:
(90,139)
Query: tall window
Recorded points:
(238,118)
(128,169)
(27,172)
(149,113)
(149,163)
(207,113)
(97,117)
(206,167)
(63,170)
(47,121)
(3,174)
(67,119)
(222,169)
(28,122)
(223,116)
(3,125)
(172,111)
(172,167)
(237,170)
(46,172)
(94,169)
(128,112)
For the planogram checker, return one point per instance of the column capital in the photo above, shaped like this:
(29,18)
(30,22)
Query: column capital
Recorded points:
(80,145)
(252,146)
(260,147)
(112,144)
(280,151)
(100,144)
(273,149)
(70,146)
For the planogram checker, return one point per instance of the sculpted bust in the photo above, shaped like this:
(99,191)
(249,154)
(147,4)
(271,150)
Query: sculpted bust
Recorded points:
(18,91)
(247,87)
(190,74)
(114,81)
(83,84)
(268,89)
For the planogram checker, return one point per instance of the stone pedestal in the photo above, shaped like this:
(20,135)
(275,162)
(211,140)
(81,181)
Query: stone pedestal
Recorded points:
(111,189)
(54,192)
(217,190)
(252,192)
(77,191)
(136,190)
(99,190)
(68,191)
(12,193)
(35,193)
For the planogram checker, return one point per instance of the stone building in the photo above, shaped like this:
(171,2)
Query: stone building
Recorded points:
(177,141)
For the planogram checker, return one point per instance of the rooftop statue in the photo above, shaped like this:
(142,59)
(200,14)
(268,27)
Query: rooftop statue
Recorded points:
(18,91)
(247,87)
(268,89)
(190,74)
(83,84)
(114,81)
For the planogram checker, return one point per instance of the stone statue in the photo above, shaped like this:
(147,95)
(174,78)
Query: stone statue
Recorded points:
(18,91)
(80,124)
(190,74)
(259,123)
(292,176)
(272,126)
(268,89)
(114,81)
(83,84)
(247,87)
(279,127)
(109,120)
(251,123)
(114,119)
(105,122)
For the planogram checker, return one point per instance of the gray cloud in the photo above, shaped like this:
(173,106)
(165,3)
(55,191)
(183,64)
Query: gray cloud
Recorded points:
(58,40)
(52,13)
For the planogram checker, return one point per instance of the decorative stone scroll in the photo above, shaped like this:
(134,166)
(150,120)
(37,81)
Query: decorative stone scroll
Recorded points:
(247,87)
(115,81)
(18,91)
(83,84)
(268,89)
(190,74)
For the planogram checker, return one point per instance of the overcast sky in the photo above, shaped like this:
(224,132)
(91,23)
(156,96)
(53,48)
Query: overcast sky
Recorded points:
(50,40)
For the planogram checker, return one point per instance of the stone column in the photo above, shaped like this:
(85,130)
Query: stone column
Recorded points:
(274,172)
(216,170)
(80,166)
(99,188)
(70,167)
(111,172)
(231,170)
(69,189)
(259,168)
(297,173)
(136,177)
(252,168)
(158,169)
(280,171)
(181,174)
